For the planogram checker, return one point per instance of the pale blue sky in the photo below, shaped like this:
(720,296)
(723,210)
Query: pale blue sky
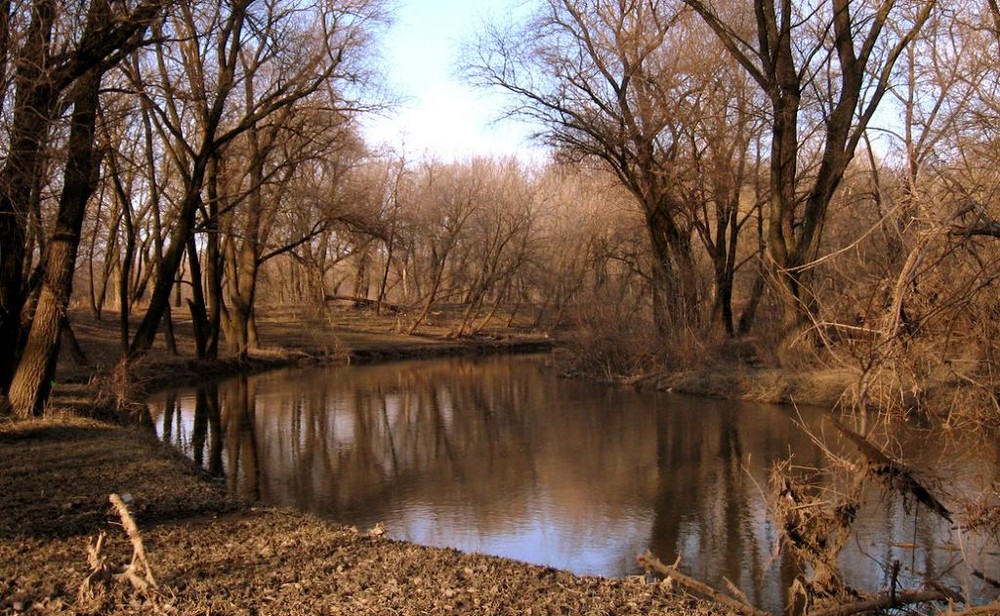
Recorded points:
(438,114)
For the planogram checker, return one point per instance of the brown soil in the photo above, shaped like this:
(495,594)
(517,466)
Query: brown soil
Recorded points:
(213,555)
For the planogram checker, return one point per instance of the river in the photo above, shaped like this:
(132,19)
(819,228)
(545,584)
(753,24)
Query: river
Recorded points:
(499,455)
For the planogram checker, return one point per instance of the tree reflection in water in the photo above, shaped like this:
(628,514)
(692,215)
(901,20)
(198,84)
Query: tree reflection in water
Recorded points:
(499,456)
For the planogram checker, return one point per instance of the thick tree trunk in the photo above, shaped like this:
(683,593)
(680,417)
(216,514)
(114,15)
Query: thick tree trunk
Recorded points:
(40,78)
(34,102)
(32,381)
(675,288)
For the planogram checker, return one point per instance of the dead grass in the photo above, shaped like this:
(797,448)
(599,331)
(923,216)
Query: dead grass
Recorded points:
(819,387)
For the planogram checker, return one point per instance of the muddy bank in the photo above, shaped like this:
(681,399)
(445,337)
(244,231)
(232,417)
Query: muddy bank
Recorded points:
(213,554)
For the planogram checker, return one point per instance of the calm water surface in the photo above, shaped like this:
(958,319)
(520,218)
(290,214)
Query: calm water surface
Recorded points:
(498,455)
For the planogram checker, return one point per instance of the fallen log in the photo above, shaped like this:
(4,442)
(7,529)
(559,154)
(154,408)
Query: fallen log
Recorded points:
(893,473)
(364,302)
(886,601)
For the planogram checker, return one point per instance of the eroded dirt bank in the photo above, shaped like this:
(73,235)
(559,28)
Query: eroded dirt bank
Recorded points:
(211,554)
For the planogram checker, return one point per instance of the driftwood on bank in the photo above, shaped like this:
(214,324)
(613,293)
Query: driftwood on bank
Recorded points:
(671,572)
(886,601)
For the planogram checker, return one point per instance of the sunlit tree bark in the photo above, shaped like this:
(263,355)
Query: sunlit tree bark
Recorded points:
(32,379)
(35,371)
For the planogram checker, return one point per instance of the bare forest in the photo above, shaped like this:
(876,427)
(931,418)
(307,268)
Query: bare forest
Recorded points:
(816,181)
(795,186)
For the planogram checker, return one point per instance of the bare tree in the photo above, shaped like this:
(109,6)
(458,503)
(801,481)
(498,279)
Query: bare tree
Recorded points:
(272,190)
(842,54)
(600,79)
(448,198)
(48,63)
(32,380)
(500,236)
(219,61)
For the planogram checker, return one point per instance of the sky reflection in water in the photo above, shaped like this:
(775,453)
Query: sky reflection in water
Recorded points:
(498,455)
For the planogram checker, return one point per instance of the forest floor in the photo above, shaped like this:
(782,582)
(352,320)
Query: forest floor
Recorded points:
(211,554)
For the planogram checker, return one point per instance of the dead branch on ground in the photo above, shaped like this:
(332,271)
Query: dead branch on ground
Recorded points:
(886,601)
(671,572)
(104,575)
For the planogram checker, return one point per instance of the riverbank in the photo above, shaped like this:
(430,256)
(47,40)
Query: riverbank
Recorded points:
(210,553)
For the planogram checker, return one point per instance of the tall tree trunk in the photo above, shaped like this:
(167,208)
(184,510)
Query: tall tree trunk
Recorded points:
(675,289)
(194,181)
(40,78)
(125,270)
(196,304)
(246,260)
(34,101)
(170,263)
(213,264)
(32,381)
